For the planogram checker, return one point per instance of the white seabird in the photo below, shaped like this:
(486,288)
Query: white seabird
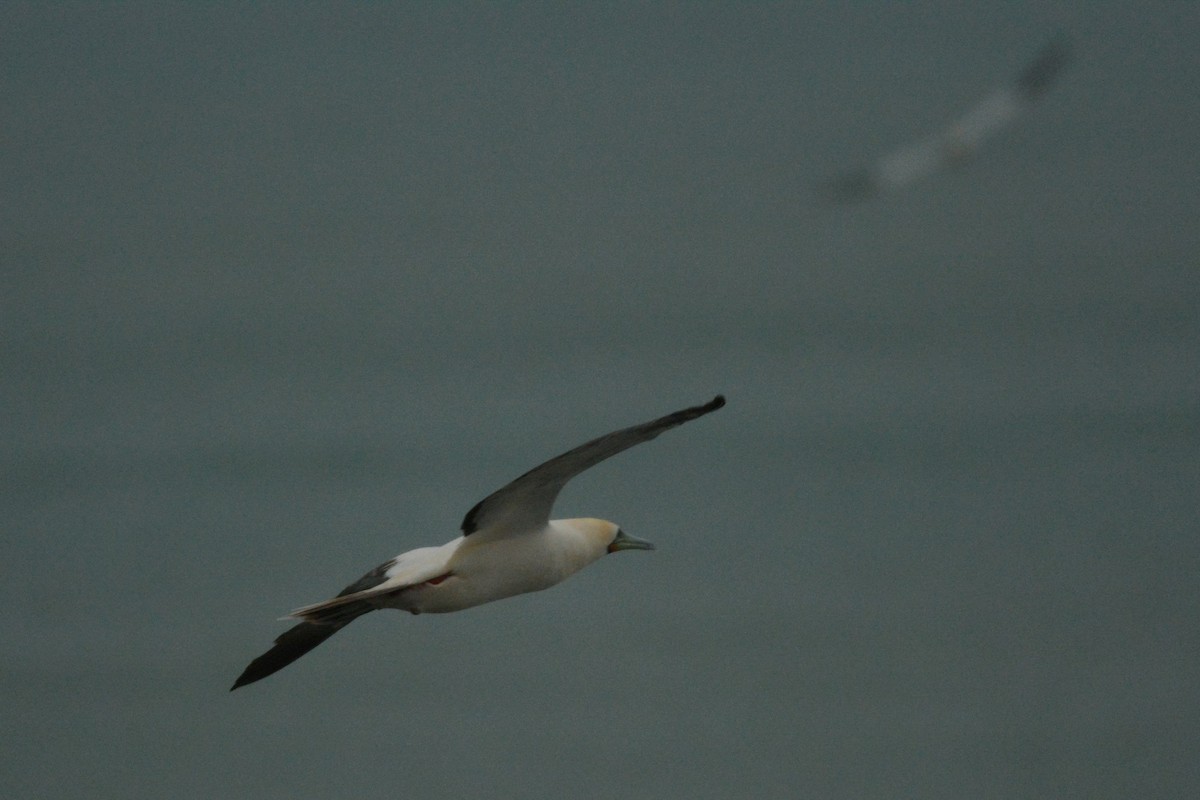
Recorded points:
(509,546)
(958,141)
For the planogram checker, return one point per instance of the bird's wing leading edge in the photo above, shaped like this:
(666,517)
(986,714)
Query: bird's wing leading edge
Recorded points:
(525,503)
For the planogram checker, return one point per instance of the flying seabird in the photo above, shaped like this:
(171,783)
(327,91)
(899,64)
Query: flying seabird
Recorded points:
(509,546)
(957,142)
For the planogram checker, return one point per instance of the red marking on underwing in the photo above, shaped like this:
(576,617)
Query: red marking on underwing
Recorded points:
(438,579)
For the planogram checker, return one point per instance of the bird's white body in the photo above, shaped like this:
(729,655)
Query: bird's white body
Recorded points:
(490,565)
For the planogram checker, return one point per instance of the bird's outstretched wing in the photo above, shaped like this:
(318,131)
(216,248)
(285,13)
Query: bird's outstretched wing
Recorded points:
(959,140)
(525,503)
(298,640)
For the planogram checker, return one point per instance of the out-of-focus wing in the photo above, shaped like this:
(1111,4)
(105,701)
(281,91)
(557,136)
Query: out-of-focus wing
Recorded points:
(958,141)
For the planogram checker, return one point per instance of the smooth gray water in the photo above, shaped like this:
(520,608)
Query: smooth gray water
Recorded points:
(288,290)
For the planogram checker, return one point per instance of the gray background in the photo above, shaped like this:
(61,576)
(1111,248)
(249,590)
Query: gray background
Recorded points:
(288,288)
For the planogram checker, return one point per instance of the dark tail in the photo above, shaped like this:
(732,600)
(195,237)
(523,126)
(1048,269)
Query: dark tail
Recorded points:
(290,645)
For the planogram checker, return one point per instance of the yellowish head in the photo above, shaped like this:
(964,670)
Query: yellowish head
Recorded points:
(607,537)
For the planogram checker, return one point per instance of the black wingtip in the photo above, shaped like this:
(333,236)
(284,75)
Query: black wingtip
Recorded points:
(245,679)
(289,646)
(1045,67)
(695,411)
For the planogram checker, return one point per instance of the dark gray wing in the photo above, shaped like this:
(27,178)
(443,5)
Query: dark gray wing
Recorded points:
(290,645)
(300,639)
(526,502)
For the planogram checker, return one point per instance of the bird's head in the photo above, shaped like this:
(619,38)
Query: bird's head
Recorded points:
(606,537)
